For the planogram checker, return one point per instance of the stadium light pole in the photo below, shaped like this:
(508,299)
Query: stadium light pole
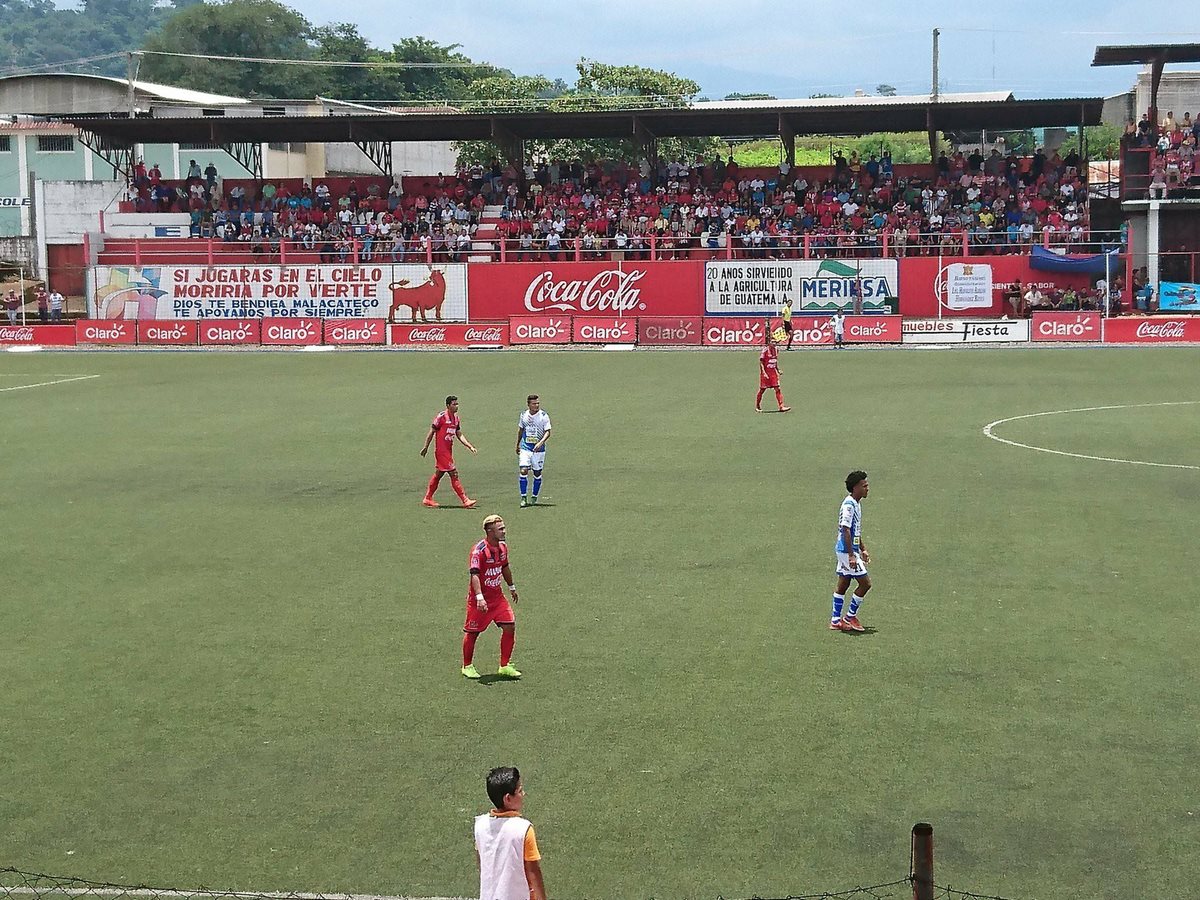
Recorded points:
(934,93)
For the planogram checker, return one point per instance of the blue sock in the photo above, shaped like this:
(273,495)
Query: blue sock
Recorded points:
(838,600)
(524,485)
(854,602)
(537,484)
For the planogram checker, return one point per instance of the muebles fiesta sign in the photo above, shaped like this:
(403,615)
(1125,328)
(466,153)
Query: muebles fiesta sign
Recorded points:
(400,293)
(759,287)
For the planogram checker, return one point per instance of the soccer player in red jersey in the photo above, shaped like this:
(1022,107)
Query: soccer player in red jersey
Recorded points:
(485,599)
(768,372)
(446,427)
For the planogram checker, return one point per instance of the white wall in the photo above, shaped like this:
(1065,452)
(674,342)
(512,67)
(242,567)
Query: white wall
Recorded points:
(66,210)
(408,158)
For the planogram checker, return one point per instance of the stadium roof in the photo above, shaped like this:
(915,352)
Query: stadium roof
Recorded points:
(1142,54)
(825,116)
(63,93)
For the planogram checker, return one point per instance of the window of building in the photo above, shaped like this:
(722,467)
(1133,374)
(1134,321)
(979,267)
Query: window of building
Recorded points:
(212,112)
(55,143)
(276,145)
(5,143)
(274,111)
(199,146)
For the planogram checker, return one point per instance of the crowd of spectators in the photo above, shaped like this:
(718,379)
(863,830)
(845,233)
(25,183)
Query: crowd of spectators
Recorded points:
(1172,146)
(855,207)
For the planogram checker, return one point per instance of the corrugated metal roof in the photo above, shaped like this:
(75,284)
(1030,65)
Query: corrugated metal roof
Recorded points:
(1139,54)
(145,88)
(865,100)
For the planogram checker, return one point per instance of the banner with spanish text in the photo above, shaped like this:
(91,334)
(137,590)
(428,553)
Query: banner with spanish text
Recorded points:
(758,287)
(394,292)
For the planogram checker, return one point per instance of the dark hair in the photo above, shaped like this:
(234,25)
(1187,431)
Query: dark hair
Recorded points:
(502,781)
(531,398)
(450,399)
(854,478)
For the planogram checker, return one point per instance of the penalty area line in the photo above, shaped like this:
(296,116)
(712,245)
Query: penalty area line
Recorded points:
(988,431)
(25,387)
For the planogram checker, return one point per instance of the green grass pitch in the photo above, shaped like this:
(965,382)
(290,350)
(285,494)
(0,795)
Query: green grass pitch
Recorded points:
(230,632)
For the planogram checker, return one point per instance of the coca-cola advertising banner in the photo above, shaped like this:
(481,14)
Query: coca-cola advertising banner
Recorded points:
(395,292)
(624,289)
(758,287)
(960,284)
(38,335)
(88,331)
(233,331)
(182,333)
(354,331)
(1157,330)
(540,329)
(474,335)
(594,330)
(291,332)
(1076,327)
(670,331)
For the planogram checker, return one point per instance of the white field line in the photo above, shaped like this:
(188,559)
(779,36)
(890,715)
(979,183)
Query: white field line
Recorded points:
(191,895)
(25,387)
(989,429)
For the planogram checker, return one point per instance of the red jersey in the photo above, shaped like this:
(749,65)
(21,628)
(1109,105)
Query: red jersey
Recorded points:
(488,562)
(445,427)
(768,366)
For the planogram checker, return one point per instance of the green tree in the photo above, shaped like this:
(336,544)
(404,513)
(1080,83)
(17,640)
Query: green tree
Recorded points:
(37,33)
(885,90)
(341,42)
(446,80)
(751,97)
(250,28)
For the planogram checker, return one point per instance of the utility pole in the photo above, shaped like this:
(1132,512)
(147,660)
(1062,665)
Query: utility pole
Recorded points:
(132,73)
(934,92)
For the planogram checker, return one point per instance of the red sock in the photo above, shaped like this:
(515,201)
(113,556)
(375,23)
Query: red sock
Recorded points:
(469,639)
(433,485)
(458,488)
(508,637)
(779,397)
(758,399)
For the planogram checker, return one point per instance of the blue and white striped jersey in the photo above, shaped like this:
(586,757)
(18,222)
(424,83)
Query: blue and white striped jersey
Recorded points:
(849,516)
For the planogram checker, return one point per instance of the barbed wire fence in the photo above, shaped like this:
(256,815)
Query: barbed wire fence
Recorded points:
(16,884)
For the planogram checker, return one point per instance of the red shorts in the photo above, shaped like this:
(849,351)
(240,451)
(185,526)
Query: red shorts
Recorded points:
(498,611)
(444,463)
(768,382)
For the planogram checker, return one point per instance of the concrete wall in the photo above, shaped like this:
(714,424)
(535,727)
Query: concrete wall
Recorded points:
(1178,92)
(408,158)
(19,250)
(68,209)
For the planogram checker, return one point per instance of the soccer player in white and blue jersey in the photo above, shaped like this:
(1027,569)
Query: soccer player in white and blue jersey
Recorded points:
(852,555)
(533,430)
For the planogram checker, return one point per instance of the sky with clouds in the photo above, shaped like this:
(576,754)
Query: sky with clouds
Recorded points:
(1034,49)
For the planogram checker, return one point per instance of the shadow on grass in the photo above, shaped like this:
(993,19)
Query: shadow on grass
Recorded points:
(860,634)
(495,679)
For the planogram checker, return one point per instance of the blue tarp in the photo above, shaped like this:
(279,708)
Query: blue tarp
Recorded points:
(1048,261)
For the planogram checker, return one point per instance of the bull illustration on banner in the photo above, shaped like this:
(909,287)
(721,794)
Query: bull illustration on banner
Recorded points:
(419,298)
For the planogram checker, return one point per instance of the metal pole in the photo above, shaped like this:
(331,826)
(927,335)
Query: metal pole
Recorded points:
(21,277)
(934,93)
(1107,279)
(129,71)
(922,861)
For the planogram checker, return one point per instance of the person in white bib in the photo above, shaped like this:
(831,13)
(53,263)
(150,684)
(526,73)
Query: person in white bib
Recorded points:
(505,846)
